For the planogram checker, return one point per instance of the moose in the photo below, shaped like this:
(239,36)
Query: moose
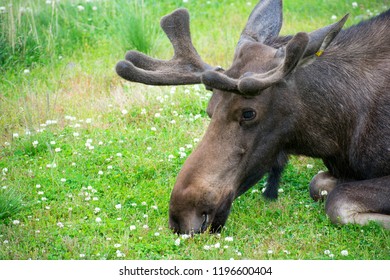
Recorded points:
(323,94)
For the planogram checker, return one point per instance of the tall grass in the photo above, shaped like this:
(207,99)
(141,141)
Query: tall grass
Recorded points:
(37,32)
(10,204)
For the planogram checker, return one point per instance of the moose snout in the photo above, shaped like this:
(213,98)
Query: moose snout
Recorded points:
(188,224)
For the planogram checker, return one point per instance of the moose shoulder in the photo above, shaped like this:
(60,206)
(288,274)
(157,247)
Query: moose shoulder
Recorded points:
(323,94)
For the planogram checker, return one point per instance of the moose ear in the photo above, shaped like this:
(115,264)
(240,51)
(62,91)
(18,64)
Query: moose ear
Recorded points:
(264,22)
(320,39)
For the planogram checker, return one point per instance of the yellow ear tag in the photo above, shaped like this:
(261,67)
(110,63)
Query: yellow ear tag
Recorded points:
(319,53)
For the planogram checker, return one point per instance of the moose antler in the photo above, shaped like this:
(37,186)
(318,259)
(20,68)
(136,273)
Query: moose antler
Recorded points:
(186,66)
(252,84)
(302,48)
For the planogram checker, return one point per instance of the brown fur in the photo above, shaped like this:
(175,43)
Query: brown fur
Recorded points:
(323,94)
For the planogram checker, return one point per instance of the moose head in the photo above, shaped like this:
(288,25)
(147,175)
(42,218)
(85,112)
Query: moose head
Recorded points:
(251,119)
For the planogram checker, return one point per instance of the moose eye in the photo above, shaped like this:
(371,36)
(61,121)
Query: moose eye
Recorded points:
(248,115)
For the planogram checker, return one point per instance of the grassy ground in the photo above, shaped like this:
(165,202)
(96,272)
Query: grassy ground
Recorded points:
(88,161)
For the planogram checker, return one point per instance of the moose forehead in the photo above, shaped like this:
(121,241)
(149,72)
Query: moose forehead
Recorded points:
(253,57)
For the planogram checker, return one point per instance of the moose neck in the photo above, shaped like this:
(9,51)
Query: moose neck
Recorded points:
(326,112)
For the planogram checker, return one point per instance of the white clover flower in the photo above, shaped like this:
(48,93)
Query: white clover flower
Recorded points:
(145,227)
(182,155)
(217,245)
(206,247)
(154,207)
(2,10)
(15,135)
(80,8)
(26,71)
(153,129)
(117,245)
(157,115)
(100,172)
(59,224)
(177,242)
(57,150)
(334,17)
(119,154)
(133,227)
(270,252)
(344,253)
(94,8)
(124,112)
(98,220)
(354,5)
(156,234)
(118,206)
(97,210)
(309,166)
(327,252)
(229,239)
(35,143)
(119,254)
(109,167)
(16,222)
(76,134)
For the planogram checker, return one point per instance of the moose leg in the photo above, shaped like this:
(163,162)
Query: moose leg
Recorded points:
(360,202)
(271,190)
(321,185)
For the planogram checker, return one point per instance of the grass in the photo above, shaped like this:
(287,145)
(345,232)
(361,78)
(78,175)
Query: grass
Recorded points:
(88,161)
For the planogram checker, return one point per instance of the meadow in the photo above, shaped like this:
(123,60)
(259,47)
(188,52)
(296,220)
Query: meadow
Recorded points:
(88,160)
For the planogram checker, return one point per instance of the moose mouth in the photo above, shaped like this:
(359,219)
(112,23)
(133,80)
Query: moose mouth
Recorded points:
(188,222)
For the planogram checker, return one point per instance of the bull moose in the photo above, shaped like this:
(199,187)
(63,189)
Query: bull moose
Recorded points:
(323,94)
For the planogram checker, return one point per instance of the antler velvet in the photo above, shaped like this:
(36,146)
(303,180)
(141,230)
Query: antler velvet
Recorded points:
(185,67)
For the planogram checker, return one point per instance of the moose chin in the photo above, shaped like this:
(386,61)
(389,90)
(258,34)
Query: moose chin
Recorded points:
(322,94)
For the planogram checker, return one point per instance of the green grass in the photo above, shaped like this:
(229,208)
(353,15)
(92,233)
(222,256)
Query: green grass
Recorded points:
(97,182)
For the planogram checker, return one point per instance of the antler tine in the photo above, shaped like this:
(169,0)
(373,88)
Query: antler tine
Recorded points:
(295,49)
(185,67)
(252,84)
